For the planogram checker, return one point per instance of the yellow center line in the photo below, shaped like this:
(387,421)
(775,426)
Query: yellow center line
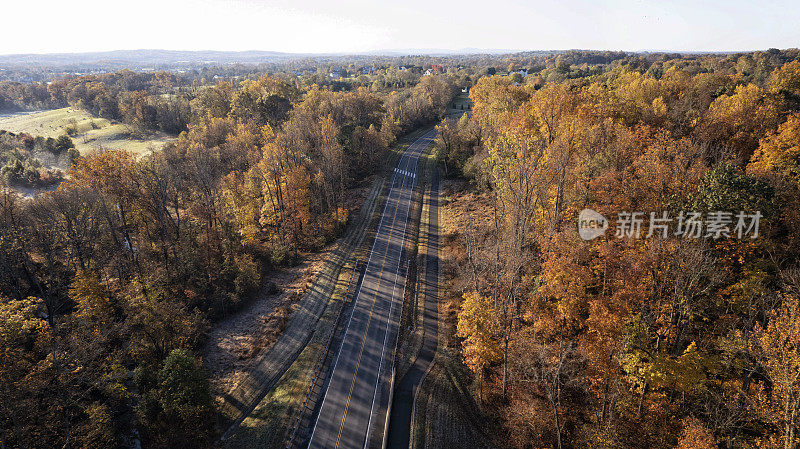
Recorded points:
(369,320)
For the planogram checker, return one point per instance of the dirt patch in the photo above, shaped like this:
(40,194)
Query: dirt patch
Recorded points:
(464,215)
(463,209)
(234,342)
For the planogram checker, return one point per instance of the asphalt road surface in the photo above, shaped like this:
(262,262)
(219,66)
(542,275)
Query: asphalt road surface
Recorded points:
(349,407)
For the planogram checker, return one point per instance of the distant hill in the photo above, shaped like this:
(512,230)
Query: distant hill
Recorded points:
(144,58)
(157,59)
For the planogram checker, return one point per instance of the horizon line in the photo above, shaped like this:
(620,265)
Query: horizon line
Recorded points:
(394,52)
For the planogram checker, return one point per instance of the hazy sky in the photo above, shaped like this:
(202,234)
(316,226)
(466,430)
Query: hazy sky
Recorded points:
(34,26)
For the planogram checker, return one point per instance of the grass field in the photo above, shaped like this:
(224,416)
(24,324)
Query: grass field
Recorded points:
(92,133)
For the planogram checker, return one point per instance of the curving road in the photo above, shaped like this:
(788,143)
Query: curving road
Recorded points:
(353,406)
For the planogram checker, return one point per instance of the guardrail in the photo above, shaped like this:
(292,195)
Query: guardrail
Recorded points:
(384,440)
(388,410)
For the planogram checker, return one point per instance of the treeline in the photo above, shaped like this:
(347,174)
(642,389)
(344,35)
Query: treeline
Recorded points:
(16,96)
(146,101)
(165,101)
(109,283)
(624,342)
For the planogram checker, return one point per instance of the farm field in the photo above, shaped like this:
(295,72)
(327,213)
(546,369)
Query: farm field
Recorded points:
(92,133)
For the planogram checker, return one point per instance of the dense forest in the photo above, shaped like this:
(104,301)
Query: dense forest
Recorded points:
(109,283)
(622,342)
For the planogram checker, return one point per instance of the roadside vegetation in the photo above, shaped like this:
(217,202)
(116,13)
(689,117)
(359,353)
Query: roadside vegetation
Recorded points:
(110,283)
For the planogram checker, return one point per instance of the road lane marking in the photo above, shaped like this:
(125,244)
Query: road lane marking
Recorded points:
(369,320)
(391,308)
(416,150)
(358,295)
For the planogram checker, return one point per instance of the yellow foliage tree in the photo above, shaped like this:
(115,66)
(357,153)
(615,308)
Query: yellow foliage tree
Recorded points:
(478,326)
(778,347)
(785,82)
(696,435)
(780,151)
(736,122)
(92,300)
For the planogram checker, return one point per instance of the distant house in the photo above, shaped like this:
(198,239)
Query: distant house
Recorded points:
(335,75)
(428,72)
(403,68)
(297,72)
(464,90)
(523,72)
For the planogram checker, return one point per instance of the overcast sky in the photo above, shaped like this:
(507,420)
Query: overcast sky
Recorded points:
(35,26)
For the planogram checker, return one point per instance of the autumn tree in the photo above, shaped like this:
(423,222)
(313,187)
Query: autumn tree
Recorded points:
(478,326)
(777,345)
(736,122)
(785,82)
(780,151)
(695,435)
(264,101)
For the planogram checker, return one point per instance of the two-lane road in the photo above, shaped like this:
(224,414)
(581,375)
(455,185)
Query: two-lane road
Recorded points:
(351,402)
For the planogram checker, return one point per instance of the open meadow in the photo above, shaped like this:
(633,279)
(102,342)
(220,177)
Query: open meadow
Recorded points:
(88,133)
